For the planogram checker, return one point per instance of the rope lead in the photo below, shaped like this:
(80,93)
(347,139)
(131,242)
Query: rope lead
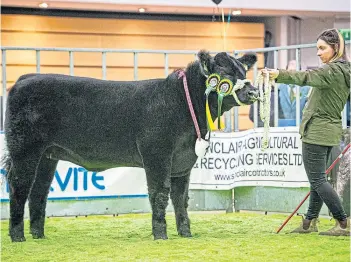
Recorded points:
(265,105)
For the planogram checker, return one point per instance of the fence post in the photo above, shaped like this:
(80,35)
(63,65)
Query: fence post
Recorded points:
(236,109)
(38,61)
(135,66)
(104,67)
(276,107)
(344,116)
(3,97)
(298,67)
(255,105)
(166,65)
(71,63)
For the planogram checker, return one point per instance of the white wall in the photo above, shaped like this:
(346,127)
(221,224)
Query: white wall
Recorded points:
(289,31)
(310,29)
(284,34)
(342,23)
(278,27)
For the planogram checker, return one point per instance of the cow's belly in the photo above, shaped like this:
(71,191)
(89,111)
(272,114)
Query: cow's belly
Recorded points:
(97,155)
(94,159)
(181,163)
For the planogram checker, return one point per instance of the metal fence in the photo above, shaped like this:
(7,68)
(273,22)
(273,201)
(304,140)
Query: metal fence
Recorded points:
(275,51)
(166,54)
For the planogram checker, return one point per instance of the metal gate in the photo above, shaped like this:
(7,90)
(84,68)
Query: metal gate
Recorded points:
(104,52)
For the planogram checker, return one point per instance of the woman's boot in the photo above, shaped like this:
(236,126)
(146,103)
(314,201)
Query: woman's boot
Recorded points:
(307,226)
(341,228)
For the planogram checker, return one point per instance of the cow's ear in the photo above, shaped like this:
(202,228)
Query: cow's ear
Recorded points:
(206,62)
(248,60)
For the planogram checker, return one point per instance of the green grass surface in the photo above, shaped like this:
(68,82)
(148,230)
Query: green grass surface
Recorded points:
(216,237)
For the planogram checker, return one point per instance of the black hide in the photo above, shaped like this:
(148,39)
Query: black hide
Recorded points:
(105,124)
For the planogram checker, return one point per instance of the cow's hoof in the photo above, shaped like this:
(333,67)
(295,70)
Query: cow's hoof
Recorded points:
(18,239)
(38,236)
(17,236)
(160,237)
(184,230)
(185,234)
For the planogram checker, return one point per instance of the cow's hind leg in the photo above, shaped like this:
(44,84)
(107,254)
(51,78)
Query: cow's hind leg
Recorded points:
(39,194)
(20,178)
(179,196)
(158,176)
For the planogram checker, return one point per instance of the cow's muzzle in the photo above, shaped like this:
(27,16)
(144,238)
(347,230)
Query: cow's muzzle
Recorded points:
(254,95)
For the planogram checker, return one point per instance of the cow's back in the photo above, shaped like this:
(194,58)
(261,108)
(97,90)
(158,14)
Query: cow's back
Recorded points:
(82,115)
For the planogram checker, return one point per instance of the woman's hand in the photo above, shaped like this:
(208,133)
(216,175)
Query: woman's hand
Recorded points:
(273,73)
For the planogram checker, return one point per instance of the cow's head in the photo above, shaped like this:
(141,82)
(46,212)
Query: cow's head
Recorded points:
(227,76)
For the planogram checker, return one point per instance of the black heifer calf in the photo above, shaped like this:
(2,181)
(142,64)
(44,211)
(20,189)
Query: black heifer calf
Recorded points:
(104,124)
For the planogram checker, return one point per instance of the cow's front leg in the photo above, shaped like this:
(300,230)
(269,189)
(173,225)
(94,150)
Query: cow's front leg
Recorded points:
(179,196)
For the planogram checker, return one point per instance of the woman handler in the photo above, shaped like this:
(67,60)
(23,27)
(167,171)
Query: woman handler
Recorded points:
(321,126)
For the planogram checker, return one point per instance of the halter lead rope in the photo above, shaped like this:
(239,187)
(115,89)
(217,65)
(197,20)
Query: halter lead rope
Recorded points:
(265,104)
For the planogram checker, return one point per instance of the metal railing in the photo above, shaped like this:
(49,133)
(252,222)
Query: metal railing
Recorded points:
(275,51)
(166,54)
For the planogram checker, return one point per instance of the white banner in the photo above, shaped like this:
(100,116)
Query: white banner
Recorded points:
(234,159)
